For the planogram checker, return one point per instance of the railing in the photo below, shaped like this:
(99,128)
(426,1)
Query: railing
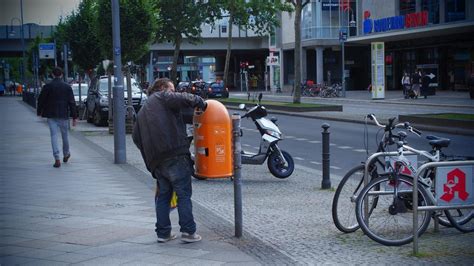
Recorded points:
(320,32)
(13,32)
(417,208)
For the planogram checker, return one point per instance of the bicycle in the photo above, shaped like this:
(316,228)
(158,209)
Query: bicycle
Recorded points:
(343,204)
(351,184)
(387,199)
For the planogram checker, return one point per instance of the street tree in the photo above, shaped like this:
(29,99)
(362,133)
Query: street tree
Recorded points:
(180,19)
(137,25)
(257,15)
(78,30)
(298,7)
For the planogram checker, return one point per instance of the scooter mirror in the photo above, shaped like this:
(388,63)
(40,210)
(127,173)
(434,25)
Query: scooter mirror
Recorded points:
(242,106)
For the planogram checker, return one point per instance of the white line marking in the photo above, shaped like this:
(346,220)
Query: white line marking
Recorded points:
(298,158)
(359,150)
(246,145)
(314,141)
(335,167)
(345,147)
(302,139)
(332,144)
(317,163)
(290,137)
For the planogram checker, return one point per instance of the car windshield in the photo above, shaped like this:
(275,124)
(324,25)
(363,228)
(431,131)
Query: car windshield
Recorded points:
(104,89)
(75,89)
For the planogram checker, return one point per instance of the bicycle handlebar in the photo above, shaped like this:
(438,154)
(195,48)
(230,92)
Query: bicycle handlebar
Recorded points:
(389,127)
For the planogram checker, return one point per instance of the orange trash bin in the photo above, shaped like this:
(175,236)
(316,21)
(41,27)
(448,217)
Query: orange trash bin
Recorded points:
(213,141)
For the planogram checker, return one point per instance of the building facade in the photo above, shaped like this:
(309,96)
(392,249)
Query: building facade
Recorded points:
(436,36)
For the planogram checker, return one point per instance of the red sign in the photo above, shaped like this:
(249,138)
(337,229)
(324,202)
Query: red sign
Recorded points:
(456,182)
(416,19)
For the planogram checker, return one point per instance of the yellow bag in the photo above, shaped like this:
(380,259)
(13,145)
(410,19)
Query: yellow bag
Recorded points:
(174,200)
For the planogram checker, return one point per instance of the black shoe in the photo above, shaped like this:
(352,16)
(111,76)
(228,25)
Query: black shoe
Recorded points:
(57,164)
(66,158)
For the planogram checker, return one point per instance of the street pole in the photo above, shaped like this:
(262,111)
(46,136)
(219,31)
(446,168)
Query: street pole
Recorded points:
(22,45)
(343,83)
(65,62)
(238,221)
(119,108)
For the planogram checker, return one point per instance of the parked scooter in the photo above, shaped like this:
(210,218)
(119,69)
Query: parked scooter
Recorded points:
(280,163)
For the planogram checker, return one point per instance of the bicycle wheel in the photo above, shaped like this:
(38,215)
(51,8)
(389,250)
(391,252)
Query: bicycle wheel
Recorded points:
(390,220)
(343,203)
(461,219)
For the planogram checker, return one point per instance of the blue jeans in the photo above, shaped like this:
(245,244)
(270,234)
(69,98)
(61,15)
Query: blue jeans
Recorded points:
(174,174)
(56,125)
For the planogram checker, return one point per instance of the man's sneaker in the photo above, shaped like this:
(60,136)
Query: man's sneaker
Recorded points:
(66,158)
(166,239)
(57,164)
(185,237)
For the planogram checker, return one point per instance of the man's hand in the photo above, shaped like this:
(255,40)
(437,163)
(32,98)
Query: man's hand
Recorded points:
(74,122)
(203,106)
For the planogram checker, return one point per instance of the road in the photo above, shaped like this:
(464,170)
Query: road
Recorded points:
(303,141)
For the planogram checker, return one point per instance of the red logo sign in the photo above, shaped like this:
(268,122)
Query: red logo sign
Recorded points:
(456,182)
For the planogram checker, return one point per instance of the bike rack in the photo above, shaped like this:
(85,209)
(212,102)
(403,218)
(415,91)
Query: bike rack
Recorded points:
(416,208)
(366,169)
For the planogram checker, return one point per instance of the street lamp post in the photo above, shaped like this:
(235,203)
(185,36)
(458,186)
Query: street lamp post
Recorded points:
(343,33)
(12,33)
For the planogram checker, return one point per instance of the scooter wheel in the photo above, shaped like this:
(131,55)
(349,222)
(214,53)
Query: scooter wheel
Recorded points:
(277,167)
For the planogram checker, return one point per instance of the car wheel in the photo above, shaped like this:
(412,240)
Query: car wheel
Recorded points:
(90,119)
(97,118)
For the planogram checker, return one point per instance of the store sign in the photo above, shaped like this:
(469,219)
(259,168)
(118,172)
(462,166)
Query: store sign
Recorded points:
(454,185)
(394,23)
(272,61)
(330,5)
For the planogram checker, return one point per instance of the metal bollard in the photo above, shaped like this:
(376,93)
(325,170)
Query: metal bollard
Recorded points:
(326,182)
(237,174)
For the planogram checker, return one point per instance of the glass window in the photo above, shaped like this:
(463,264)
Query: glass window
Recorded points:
(455,10)
(407,6)
(432,6)
(223,28)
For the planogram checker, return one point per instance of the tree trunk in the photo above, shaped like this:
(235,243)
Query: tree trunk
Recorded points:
(297,82)
(174,66)
(229,47)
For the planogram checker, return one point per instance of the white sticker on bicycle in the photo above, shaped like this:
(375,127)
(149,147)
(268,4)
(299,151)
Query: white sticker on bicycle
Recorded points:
(412,159)
(454,185)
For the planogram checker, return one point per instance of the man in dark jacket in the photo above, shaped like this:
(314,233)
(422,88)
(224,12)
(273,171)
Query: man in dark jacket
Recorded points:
(56,102)
(160,134)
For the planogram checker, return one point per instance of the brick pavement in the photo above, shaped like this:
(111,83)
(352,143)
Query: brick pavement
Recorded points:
(89,211)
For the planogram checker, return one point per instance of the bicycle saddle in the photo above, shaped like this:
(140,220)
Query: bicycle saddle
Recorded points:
(438,142)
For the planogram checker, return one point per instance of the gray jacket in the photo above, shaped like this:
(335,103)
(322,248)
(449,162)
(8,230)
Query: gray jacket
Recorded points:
(160,132)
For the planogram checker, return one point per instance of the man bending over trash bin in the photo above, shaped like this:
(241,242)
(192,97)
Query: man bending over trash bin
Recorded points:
(160,134)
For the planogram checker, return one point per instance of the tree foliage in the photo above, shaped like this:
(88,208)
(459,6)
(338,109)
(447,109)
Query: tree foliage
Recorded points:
(137,24)
(78,31)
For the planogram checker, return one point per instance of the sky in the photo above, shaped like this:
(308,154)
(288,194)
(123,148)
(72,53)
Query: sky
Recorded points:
(42,12)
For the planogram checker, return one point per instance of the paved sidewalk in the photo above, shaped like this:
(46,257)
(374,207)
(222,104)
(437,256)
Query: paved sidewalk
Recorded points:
(89,211)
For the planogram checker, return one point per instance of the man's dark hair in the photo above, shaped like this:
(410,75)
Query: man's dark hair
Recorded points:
(158,85)
(57,72)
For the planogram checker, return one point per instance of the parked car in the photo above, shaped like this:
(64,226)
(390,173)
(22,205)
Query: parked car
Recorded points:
(98,103)
(216,90)
(75,90)
(183,86)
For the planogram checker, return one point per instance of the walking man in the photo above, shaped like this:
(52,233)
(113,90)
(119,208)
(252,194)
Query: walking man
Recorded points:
(160,134)
(56,102)
(416,81)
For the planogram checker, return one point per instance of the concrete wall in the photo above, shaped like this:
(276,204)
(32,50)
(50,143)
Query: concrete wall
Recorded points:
(380,8)
(287,28)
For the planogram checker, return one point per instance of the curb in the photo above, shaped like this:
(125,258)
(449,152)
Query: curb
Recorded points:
(322,108)
(441,129)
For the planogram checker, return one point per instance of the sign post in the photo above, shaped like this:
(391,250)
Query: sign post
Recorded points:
(378,70)
(342,39)
(47,51)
